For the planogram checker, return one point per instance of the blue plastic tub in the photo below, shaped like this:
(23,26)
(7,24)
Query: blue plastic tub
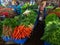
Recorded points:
(46,43)
(20,41)
(6,39)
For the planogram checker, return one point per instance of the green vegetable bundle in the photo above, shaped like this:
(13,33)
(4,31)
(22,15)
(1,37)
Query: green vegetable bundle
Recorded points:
(21,19)
(12,21)
(29,18)
(8,24)
(52,30)
(57,10)
(29,6)
(24,7)
(51,17)
(35,6)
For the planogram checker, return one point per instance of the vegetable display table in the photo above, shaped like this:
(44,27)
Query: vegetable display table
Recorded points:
(18,28)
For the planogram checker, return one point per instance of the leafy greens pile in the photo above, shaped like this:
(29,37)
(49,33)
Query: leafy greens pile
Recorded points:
(30,18)
(52,30)
(57,10)
(22,19)
(29,6)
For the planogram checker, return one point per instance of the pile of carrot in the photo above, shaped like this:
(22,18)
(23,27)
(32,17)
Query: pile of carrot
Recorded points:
(21,32)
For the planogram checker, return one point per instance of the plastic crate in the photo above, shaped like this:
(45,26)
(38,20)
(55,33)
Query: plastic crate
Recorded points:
(17,41)
(20,41)
(6,39)
(46,43)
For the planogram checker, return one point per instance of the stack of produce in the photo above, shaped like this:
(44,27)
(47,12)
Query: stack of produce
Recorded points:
(29,17)
(1,7)
(25,28)
(29,6)
(20,26)
(8,25)
(21,32)
(8,12)
(35,6)
(24,7)
(56,11)
(52,30)
(7,29)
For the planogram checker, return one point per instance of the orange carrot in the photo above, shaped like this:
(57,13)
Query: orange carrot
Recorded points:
(22,27)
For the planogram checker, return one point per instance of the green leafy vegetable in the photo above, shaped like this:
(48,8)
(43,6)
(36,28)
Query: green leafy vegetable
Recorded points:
(29,18)
(52,30)
(51,17)
(57,10)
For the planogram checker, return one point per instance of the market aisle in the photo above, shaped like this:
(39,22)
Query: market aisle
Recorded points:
(37,34)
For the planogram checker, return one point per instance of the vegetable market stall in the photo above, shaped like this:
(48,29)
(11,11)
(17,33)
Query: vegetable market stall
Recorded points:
(7,12)
(52,28)
(19,28)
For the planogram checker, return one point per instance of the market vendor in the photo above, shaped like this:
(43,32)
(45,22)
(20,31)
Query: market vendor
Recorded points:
(43,4)
(42,9)
(40,25)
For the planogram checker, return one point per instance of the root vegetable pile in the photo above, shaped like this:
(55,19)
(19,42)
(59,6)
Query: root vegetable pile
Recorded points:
(7,31)
(21,32)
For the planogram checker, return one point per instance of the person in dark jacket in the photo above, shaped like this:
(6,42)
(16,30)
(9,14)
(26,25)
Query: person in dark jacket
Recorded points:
(39,27)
